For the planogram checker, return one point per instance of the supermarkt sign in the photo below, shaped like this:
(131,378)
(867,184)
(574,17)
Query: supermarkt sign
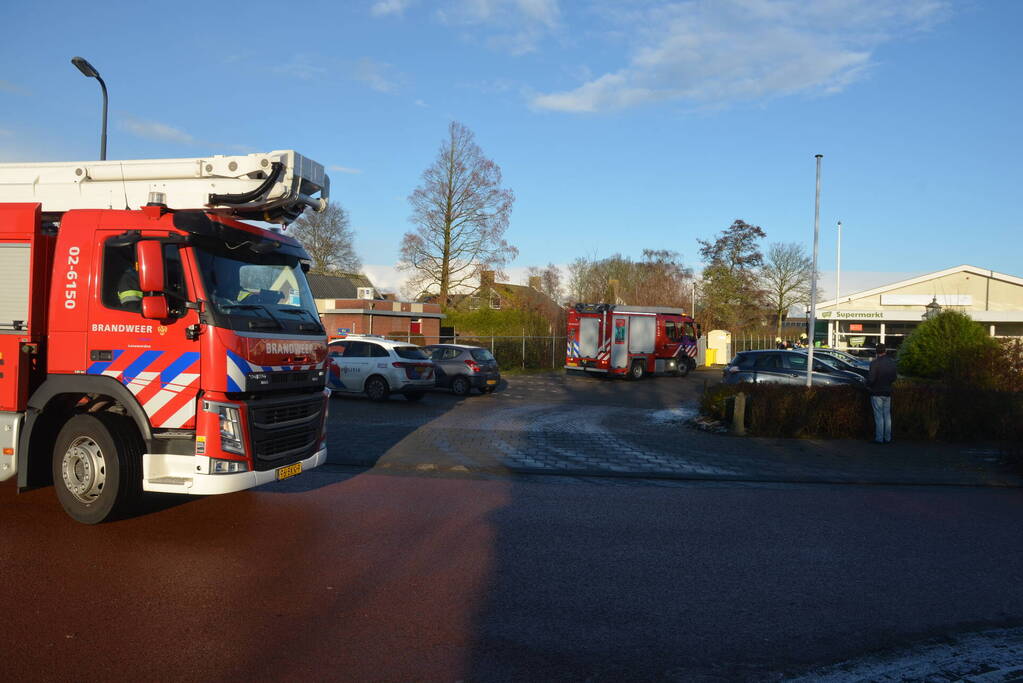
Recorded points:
(869,315)
(852,315)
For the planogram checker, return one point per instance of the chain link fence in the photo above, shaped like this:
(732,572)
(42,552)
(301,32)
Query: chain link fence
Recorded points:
(523,352)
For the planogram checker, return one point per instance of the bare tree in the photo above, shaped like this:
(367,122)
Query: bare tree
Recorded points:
(461,213)
(785,278)
(659,279)
(329,239)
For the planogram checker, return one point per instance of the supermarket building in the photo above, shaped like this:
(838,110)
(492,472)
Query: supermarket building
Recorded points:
(887,314)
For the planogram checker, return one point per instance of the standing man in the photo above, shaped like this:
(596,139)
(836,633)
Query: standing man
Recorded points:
(879,382)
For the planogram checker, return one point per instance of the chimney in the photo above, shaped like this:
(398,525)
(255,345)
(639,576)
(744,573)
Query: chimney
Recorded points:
(390,296)
(486,279)
(612,285)
(534,282)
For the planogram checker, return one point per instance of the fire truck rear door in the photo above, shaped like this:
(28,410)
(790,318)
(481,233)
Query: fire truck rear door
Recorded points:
(589,336)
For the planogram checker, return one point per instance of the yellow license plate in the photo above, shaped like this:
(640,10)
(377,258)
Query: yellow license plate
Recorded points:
(289,471)
(491,381)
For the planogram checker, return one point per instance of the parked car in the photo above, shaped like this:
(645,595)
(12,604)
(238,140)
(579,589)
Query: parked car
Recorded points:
(838,359)
(784,367)
(463,368)
(847,358)
(379,367)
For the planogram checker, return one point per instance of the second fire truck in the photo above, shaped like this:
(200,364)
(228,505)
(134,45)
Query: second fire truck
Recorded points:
(630,341)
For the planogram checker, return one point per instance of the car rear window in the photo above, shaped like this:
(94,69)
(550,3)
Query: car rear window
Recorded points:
(410,353)
(482,355)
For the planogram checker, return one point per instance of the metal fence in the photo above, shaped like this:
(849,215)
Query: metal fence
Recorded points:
(743,341)
(524,352)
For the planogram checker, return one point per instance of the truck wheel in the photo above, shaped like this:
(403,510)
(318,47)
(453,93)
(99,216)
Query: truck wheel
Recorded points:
(637,370)
(97,467)
(683,367)
(377,389)
(461,386)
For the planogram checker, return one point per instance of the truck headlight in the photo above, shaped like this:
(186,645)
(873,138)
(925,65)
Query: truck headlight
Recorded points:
(230,426)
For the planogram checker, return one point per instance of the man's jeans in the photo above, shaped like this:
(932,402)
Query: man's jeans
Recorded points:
(882,417)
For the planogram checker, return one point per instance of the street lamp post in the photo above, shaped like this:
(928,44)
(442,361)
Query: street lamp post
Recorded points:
(813,275)
(90,72)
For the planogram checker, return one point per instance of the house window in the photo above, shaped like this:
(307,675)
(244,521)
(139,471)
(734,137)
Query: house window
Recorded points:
(495,302)
(474,302)
(365,293)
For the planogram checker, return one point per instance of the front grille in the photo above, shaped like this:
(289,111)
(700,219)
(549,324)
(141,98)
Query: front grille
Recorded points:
(285,430)
(288,412)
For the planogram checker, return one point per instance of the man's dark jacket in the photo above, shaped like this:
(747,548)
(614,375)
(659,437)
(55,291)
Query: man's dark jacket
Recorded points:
(882,374)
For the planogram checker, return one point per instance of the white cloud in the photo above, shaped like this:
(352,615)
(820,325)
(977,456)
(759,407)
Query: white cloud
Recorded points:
(714,52)
(384,8)
(377,75)
(154,130)
(345,169)
(302,67)
(517,26)
(7,86)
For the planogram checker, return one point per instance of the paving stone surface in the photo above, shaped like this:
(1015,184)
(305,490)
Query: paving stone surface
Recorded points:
(552,423)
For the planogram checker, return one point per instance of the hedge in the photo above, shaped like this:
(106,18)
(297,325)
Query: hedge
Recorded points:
(920,410)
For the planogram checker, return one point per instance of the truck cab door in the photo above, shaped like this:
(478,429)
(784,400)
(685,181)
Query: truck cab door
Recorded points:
(154,359)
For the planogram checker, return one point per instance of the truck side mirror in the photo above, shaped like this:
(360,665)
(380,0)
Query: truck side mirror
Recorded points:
(699,331)
(149,254)
(155,307)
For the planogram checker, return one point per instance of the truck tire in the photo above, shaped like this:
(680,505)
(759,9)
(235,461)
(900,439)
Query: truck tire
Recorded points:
(97,467)
(461,386)
(636,370)
(683,366)
(377,389)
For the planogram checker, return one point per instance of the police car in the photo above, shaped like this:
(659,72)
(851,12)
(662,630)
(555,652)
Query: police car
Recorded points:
(378,367)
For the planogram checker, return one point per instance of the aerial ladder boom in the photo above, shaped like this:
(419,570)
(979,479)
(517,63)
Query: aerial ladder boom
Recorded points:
(275,187)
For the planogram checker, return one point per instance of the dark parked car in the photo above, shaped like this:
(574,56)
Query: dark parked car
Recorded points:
(842,361)
(847,358)
(462,368)
(784,367)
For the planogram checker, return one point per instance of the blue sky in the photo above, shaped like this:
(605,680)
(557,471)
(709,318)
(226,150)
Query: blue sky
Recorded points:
(619,125)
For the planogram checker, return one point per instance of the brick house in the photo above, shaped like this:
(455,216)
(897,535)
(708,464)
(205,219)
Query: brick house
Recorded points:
(349,303)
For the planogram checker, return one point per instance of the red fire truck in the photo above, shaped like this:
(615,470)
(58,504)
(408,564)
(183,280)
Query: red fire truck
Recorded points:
(165,347)
(630,341)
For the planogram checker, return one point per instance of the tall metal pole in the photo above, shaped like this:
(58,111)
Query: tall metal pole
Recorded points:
(838,285)
(89,71)
(103,138)
(813,275)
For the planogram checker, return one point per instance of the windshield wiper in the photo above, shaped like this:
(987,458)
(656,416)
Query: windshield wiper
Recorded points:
(304,327)
(257,324)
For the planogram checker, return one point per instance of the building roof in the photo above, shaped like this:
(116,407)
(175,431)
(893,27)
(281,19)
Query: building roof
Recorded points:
(339,286)
(1012,279)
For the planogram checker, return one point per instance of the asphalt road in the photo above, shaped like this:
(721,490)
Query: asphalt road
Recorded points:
(366,575)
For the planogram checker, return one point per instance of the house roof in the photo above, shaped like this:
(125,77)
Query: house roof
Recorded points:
(340,286)
(1012,279)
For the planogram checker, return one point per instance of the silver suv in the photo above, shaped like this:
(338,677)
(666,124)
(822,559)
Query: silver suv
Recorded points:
(379,367)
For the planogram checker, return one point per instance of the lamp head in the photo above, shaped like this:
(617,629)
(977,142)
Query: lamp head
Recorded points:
(84,66)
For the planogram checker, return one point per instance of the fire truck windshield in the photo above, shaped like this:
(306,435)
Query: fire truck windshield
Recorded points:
(247,291)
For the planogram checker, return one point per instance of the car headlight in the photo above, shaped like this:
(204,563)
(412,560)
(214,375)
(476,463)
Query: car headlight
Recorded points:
(230,426)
